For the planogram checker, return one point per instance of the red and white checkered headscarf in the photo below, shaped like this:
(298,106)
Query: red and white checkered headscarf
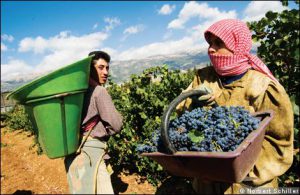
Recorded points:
(237,37)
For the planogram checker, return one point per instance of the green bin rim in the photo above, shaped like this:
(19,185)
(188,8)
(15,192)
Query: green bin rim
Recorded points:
(54,96)
(42,77)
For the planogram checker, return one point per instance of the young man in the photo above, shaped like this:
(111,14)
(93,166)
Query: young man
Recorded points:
(87,172)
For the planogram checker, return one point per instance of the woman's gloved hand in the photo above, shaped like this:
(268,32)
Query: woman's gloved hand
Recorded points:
(203,100)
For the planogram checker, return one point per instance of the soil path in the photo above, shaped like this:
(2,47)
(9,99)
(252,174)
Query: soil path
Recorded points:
(24,171)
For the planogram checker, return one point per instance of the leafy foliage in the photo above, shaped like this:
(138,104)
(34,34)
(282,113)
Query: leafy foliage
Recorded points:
(141,102)
(278,35)
(18,119)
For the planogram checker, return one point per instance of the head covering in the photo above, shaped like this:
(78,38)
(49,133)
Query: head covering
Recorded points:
(237,37)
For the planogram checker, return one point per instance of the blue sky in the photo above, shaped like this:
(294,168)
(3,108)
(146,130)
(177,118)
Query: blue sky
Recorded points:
(42,36)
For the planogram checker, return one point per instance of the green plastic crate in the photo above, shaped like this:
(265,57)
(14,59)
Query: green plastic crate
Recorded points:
(56,119)
(54,104)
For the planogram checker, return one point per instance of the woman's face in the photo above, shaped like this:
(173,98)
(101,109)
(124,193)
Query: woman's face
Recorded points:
(102,68)
(217,46)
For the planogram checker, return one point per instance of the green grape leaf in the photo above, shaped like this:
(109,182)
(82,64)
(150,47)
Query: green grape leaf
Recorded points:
(196,136)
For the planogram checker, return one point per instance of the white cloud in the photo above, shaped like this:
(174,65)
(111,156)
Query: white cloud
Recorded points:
(134,29)
(160,48)
(6,37)
(58,59)
(176,24)
(112,23)
(257,9)
(38,45)
(166,9)
(15,69)
(192,41)
(64,34)
(3,47)
(205,15)
(59,50)
(61,42)
(18,69)
(201,11)
(112,52)
(95,26)
(197,32)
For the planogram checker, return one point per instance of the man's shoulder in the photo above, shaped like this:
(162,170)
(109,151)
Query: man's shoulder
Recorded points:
(100,89)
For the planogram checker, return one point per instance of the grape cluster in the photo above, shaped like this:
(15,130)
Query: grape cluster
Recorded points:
(154,145)
(219,129)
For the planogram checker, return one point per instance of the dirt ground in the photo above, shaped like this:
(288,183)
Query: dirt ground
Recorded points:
(23,171)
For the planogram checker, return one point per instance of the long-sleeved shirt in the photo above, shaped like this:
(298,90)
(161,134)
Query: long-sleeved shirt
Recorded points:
(97,102)
(256,92)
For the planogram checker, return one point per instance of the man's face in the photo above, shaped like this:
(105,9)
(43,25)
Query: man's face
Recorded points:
(102,69)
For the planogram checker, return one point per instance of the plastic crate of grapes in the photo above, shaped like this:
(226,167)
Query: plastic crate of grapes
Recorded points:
(232,166)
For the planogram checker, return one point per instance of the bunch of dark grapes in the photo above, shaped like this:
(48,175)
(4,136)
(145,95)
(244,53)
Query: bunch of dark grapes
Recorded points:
(219,129)
(154,145)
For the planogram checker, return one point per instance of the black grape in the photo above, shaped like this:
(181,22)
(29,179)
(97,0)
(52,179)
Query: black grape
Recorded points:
(219,129)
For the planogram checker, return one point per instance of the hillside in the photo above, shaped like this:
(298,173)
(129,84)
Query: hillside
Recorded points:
(120,71)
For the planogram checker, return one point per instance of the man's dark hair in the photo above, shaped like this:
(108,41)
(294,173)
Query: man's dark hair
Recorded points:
(100,55)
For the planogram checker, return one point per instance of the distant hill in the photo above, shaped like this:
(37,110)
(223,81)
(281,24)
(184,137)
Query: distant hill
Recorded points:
(11,85)
(15,83)
(120,71)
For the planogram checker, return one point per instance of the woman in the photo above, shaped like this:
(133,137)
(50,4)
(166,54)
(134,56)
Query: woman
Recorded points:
(238,78)
(87,172)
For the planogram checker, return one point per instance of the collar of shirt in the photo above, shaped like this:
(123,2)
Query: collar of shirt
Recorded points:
(226,80)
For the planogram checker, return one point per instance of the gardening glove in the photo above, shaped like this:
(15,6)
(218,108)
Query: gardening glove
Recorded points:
(203,100)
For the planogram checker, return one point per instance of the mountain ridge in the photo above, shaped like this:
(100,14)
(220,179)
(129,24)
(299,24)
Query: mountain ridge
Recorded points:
(120,71)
